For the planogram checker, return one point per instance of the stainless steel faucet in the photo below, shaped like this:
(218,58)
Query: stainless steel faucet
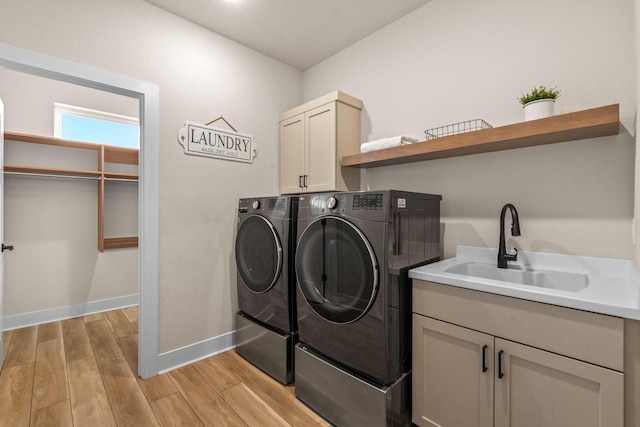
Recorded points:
(503,256)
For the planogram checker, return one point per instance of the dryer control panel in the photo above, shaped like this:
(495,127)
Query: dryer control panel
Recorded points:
(368,201)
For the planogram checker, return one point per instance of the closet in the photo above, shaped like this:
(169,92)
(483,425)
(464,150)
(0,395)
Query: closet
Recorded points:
(106,155)
(70,207)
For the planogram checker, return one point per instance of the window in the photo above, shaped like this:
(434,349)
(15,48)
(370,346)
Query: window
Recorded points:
(83,124)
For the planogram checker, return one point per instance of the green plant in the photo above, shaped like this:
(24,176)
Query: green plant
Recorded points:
(540,92)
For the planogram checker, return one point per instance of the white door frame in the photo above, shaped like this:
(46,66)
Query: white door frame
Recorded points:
(148,96)
(1,227)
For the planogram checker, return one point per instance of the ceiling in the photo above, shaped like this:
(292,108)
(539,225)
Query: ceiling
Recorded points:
(300,33)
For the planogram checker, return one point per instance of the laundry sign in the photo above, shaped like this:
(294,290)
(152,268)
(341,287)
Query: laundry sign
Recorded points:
(207,141)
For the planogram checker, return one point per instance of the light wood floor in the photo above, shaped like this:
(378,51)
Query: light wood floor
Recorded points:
(80,372)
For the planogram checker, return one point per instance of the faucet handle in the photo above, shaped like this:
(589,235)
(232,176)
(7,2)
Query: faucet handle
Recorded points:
(511,257)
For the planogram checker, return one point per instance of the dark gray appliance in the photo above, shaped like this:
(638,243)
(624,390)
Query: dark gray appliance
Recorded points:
(265,245)
(354,301)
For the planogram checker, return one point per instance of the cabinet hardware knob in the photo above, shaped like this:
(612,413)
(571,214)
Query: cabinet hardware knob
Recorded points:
(7,248)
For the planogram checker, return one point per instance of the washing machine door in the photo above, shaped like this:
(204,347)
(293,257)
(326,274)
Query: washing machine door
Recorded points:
(337,270)
(258,253)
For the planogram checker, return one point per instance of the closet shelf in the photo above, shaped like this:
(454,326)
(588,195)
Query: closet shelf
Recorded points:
(111,154)
(585,124)
(106,154)
(32,170)
(120,155)
(48,140)
(120,242)
(70,173)
(117,176)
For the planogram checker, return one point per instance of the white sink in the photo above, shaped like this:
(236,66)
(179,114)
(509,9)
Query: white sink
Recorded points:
(571,282)
(600,285)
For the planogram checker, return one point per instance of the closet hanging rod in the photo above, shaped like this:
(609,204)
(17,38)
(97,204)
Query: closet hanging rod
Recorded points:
(51,175)
(121,179)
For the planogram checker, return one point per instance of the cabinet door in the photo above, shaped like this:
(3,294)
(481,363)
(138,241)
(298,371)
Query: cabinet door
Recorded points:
(452,381)
(320,126)
(539,388)
(292,154)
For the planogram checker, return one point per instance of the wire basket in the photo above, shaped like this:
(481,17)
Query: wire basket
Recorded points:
(456,128)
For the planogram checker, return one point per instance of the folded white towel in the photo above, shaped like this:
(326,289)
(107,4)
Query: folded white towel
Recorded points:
(381,144)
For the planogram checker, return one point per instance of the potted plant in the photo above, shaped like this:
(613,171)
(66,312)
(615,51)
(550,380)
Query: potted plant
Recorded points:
(539,102)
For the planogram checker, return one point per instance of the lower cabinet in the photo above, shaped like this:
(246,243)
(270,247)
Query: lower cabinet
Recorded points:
(538,388)
(452,375)
(462,377)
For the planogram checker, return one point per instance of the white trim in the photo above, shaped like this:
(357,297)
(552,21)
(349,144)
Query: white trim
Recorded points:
(1,227)
(94,114)
(148,96)
(59,109)
(189,354)
(68,312)
(148,341)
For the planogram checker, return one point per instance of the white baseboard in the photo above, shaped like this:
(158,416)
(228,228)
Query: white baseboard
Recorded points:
(186,355)
(60,313)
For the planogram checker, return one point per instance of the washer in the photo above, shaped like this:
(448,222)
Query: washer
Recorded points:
(354,301)
(266,328)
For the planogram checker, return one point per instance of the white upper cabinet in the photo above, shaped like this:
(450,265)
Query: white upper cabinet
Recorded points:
(313,139)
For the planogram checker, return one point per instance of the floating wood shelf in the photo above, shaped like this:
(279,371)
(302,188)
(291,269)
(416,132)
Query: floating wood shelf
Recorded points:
(592,123)
(106,154)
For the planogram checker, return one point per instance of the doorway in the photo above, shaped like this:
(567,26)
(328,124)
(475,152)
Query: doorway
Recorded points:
(147,96)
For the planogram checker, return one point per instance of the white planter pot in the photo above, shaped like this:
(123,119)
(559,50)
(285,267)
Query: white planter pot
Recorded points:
(538,109)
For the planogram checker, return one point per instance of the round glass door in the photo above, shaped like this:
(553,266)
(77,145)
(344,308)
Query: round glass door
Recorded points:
(337,270)
(258,253)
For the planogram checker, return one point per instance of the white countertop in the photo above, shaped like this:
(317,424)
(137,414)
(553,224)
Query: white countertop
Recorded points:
(613,289)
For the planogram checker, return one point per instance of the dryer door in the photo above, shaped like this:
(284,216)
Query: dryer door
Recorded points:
(337,270)
(258,253)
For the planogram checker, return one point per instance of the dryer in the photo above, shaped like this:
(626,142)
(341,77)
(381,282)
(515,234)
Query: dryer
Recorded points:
(354,301)
(266,328)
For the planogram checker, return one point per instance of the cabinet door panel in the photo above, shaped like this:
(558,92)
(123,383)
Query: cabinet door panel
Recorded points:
(540,388)
(292,154)
(321,143)
(450,388)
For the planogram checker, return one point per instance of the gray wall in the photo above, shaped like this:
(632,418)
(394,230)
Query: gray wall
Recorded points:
(451,61)
(636,210)
(201,75)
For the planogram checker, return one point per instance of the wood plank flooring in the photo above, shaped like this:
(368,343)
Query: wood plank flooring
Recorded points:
(83,372)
